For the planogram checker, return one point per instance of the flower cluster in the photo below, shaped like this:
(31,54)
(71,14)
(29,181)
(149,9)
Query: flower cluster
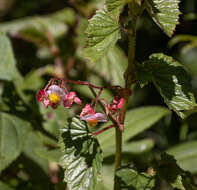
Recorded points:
(54,95)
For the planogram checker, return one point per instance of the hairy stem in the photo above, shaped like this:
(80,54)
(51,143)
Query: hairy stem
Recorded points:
(130,80)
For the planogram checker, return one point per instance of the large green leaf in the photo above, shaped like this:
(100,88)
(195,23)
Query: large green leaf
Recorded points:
(112,66)
(134,147)
(13,136)
(114,7)
(137,120)
(171,80)
(8,70)
(165,13)
(32,144)
(35,28)
(186,155)
(103,32)
(4,186)
(82,156)
(131,179)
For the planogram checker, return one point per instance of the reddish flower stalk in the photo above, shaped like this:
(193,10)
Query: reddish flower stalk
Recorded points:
(102,130)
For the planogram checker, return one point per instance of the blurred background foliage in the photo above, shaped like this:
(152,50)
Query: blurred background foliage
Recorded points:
(47,39)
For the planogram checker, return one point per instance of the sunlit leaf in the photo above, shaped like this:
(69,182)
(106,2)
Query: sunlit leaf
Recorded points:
(13,137)
(82,156)
(131,179)
(8,70)
(171,80)
(165,13)
(137,120)
(103,32)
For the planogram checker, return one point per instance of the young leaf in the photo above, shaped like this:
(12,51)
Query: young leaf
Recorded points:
(8,70)
(114,7)
(171,80)
(13,136)
(82,156)
(165,13)
(103,32)
(136,121)
(131,179)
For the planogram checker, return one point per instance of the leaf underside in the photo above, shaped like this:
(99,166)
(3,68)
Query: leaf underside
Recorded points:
(82,157)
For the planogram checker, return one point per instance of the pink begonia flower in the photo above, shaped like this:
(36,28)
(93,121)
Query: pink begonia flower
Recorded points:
(92,118)
(116,104)
(55,95)
(70,98)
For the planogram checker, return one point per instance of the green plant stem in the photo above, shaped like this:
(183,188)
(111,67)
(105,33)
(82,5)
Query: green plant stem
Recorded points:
(130,80)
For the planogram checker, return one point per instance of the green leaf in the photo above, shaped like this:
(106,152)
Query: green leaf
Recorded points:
(166,168)
(136,121)
(131,179)
(4,186)
(82,156)
(186,155)
(171,80)
(13,136)
(8,70)
(165,13)
(112,66)
(34,29)
(114,7)
(33,143)
(103,32)
(134,147)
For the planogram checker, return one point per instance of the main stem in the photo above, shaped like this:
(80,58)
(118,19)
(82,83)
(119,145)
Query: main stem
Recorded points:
(130,79)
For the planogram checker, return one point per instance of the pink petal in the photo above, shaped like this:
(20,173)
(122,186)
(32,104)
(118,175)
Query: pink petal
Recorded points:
(67,103)
(87,110)
(100,117)
(121,102)
(46,102)
(40,95)
(77,101)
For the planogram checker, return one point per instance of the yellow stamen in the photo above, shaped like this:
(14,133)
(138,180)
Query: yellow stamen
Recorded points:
(93,122)
(54,98)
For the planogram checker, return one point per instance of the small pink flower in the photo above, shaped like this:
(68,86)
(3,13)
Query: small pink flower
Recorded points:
(92,118)
(70,98)
(116,104)
(54,95)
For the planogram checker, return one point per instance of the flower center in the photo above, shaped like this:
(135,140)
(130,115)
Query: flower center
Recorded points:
(54,98)
(93,122)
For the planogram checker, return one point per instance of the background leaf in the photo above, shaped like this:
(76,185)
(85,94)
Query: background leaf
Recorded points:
(131,179)
(82,156)
(186,155)
(8,70)
(137,120)
(103,32)
(13,136)
(171,80)
(4,186)
(165,13)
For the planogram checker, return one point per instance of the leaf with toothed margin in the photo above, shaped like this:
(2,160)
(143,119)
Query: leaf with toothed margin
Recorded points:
(82,156)
(103,32)
(171,80)
(165,13)
(114,7)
